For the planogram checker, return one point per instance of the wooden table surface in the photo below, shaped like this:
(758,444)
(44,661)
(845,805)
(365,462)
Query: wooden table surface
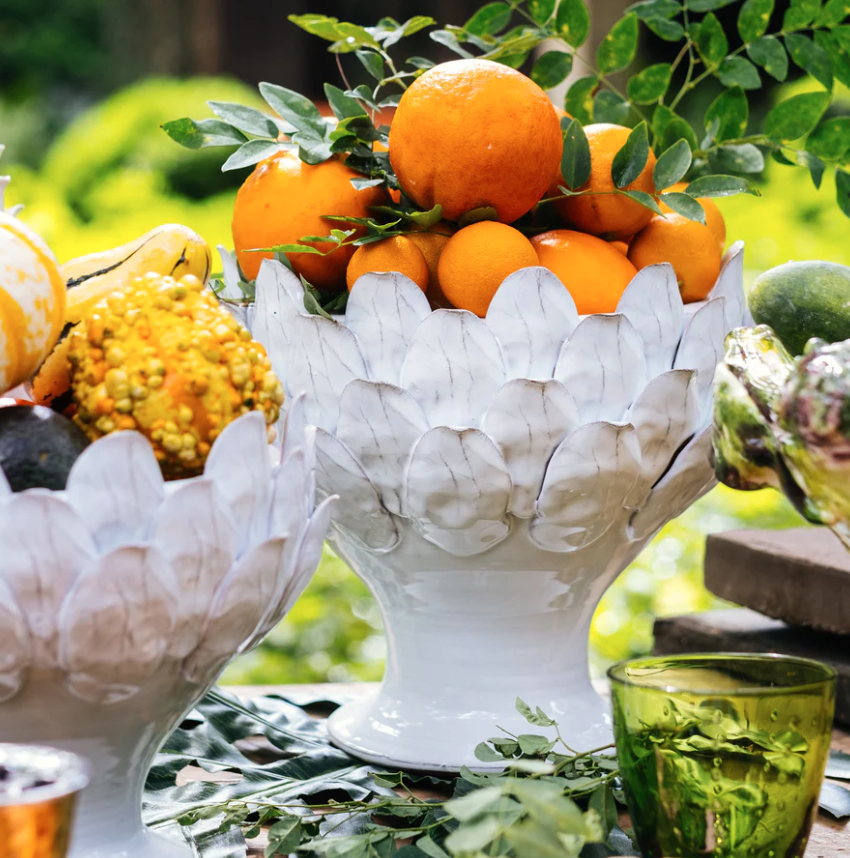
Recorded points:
(829,839)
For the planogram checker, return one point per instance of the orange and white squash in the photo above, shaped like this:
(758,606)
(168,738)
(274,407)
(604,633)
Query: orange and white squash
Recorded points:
(32,299)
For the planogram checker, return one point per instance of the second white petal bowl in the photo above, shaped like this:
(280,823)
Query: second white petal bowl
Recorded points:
(495,476)
(123,598)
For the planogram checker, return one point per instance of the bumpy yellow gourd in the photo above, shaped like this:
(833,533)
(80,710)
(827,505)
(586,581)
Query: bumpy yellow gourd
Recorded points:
(162,357)
(32,299)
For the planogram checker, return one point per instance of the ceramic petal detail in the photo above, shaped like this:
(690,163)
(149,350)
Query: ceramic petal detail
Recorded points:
(116,488)
(532,315)
(728,286)
(360,513)
(44,544)
(15,646)
(233,617)
(275,307)
(528,420)
(653,304)
(116,623)
(240,467)
(322,358)
(603,367)
(380,423)
(588,478)
(197,534)
(453,368)
(690,477)
(665,416)
(383,311)
(702,347)
(458,481)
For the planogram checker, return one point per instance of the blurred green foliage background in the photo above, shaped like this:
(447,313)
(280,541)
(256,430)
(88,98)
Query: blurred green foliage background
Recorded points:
(112,174)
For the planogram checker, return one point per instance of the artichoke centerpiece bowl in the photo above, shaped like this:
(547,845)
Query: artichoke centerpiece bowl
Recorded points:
(123,598)
(495,475)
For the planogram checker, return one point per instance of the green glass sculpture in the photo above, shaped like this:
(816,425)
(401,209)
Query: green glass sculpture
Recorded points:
(722,755)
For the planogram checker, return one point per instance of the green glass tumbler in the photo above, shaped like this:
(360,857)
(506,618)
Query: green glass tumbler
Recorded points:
(722,755)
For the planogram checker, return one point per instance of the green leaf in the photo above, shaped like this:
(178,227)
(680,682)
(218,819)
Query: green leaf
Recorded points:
(474,804)
(800,13)
(661,116)
(721,186)
(372,62)
(610,107)
(768,53)
(295,108)
(489,20)
(731,109)
(650,84)
(343,106)
(685,205)
(284,836)
(678,129)
(814,165)
(579,100)
(837,46)
(318,25)
(711,41)
(644,199)
(834,12)
(312,149)
(796,116)
(631,159)
(430,848)
(353,36)
(617,50)
(602,801)
(810,58)
(245,118)
(647,9)
(741,158)
(551,69)
(486,754)
(575,160)
(251,153)
(753,19)
(473,837)
(736,71)
(538,718)
(831,139)
(541,10)
(670,31)
(534,745)
(708,5)
(672,165)
(842,190)
(420,62)
(572,22)
(203,133)
(449,40)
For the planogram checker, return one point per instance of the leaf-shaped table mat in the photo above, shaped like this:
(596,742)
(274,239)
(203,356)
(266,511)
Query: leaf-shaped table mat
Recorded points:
(275,747)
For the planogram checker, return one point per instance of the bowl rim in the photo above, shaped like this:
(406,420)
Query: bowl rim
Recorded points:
(617,673)
(72,773)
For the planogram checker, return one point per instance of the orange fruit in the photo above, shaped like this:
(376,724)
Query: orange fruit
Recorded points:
(604,213)
(595,273)
(687,245)
(713,219)
(284,199)
(476,260)
(432,242)
(622,246)
(398,253)
(473,134)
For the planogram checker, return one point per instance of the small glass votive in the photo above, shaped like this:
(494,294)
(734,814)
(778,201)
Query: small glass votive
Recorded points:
(722,755)
(38,791)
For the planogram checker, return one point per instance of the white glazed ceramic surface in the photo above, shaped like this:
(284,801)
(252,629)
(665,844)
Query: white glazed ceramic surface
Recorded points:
(495,476)
(123,598)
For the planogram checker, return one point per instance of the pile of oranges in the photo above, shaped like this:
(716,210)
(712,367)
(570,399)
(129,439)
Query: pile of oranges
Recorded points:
(481,140)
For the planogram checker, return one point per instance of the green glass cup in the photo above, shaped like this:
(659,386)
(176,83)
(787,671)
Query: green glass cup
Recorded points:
(722,755)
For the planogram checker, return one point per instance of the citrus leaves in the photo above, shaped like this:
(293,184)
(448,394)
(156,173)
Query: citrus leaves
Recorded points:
(650,84)
(540,37)
(617,50)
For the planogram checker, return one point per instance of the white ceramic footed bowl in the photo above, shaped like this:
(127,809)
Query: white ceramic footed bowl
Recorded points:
(495,476)
(123,598)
